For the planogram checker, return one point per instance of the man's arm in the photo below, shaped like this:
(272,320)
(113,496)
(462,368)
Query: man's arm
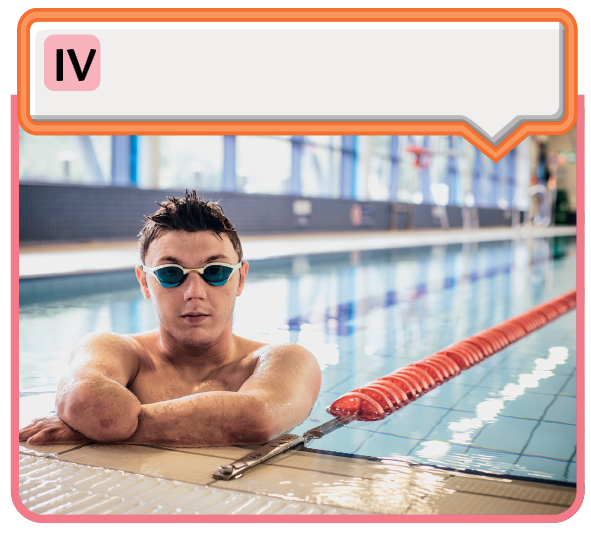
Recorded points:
(278,396)
(92,397)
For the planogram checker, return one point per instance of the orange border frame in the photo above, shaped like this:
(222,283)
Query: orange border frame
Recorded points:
(307,127)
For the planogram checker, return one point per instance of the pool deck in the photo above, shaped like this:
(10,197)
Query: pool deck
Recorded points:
(38,261)
(134,479)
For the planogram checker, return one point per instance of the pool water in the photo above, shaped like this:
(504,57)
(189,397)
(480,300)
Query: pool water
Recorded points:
(363,315)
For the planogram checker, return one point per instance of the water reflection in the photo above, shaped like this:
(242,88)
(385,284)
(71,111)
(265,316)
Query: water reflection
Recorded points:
(487,410)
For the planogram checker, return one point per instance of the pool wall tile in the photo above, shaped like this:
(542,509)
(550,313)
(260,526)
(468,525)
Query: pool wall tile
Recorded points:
(344,439)
(500,378)
(562,410)
(413,421)
(489,461)
(470,401)
(456,427)
(528,405)
(332,377)
(433,452)
(506,434)
(570,387)
(445,396)
(537,467)
(571,475)
(386,446)
(554,440)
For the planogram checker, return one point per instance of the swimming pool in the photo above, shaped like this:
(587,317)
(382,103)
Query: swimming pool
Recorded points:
(364,314)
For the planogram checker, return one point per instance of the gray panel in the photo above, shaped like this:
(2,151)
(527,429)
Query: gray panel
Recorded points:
(62,213)
(454,216)
(493,217)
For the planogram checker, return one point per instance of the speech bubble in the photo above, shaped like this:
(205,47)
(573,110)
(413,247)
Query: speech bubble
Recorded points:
(492,76)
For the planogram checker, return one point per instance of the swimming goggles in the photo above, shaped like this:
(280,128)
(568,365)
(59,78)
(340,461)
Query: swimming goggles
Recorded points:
(172,275)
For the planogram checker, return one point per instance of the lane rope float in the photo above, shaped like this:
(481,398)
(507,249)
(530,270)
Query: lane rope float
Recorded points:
(392,392)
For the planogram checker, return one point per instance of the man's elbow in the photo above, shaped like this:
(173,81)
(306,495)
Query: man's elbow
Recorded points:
(256,425)
(110,429)
(98,420)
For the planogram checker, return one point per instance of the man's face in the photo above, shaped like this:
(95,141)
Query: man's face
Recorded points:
(195,314)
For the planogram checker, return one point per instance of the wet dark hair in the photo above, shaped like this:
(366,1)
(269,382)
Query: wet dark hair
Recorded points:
(190,213)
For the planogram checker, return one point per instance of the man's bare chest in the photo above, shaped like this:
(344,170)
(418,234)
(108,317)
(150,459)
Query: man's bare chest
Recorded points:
(157,383)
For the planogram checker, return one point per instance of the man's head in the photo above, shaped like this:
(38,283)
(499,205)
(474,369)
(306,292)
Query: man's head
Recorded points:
(192,234)
(191,214)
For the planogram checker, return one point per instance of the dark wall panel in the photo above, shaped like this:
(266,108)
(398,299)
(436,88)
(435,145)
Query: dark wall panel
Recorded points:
(79,213)
(493,217)
(423,217)
(454,216)
(54,213)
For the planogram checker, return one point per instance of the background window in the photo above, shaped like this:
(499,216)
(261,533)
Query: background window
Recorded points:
(73,159)
(191,162)
(263,164)
(321,166)
(374,166)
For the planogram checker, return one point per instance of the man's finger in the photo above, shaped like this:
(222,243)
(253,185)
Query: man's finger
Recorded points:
(33,424)
(47,435)
(25,433)
(56,435)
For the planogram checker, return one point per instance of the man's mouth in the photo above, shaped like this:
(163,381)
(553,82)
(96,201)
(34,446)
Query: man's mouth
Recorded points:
(194,318)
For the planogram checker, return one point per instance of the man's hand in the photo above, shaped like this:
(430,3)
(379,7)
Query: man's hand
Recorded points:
(46,430)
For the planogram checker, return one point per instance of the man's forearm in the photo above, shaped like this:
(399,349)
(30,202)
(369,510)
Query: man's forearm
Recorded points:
(206,419)
(99,408)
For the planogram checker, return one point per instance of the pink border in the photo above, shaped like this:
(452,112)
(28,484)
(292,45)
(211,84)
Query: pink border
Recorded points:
(14,331)
(580,279)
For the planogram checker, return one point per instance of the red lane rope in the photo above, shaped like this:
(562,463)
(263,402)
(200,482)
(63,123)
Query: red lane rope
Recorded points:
(390,393)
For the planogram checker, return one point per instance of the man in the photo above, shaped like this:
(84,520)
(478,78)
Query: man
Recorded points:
(191,382)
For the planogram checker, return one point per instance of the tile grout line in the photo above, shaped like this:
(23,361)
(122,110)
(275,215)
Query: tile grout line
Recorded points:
(52,454)
(533,431)
(542,418)
(449,410)
(570,460)
(481,448)
(569,463)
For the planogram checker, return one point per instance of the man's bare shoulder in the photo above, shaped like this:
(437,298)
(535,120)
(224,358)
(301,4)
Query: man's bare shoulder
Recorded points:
(100,346)
(289,357)
(114,356)
(283,350)
(109,340)
(250,346)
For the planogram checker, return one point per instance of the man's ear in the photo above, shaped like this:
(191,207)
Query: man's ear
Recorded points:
(141,278)
(243,271)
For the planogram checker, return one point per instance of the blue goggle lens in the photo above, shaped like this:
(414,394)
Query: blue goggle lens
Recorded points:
(170,276)
(216,275)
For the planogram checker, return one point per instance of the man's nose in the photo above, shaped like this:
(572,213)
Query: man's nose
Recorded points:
(195,287)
